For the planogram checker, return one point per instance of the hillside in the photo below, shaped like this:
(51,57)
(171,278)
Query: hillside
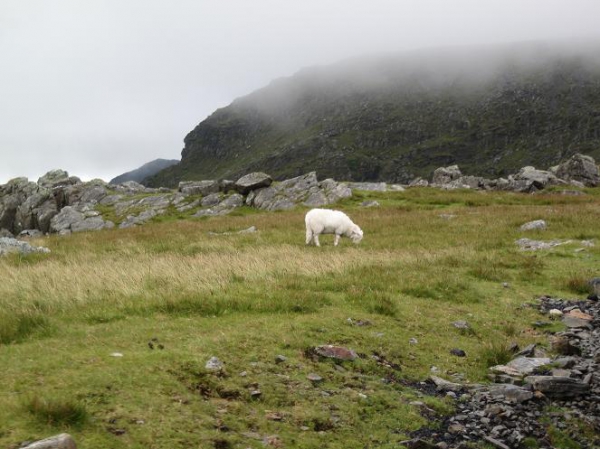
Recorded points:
(109,335)
(148,169)
(392,117)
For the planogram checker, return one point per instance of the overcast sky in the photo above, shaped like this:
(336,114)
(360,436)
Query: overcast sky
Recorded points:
(100,87)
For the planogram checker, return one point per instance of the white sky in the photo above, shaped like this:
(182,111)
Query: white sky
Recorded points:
(100,87)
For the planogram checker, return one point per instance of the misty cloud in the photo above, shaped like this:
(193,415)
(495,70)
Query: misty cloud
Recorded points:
(99,88)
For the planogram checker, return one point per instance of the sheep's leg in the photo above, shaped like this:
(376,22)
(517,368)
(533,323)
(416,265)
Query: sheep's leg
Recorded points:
(309,236)
(336,240)
(316,239)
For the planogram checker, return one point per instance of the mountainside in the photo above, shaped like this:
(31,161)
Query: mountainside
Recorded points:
(149,169)
(490,110)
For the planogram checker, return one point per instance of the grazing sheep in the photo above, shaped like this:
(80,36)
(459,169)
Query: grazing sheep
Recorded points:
(325,221)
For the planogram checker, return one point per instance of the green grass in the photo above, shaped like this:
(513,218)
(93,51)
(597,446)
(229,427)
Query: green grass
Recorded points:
(169,295)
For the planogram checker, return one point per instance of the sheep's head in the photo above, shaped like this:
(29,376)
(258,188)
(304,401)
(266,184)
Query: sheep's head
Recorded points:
(356,234)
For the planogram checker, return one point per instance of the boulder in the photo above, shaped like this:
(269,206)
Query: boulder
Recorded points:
(444,175)
(534,225)
(538,178)
(252,181)
(304,189)
(211,200)
(93,194)
(91,224)
(335,191)
(369,186)
(61,223)
(579,168)
(418,182)
(11,245)
(62,441)
(335,352)
(203,188)
(558,387)
(55,178)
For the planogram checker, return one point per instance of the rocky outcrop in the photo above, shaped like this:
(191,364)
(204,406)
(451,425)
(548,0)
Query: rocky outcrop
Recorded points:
(577,171)
(305,189)
(445,175)
(533,393)
(12,245)
(59,203)
(252,181)
(579,168)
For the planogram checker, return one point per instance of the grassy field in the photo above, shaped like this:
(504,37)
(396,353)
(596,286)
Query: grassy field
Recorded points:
(170,295)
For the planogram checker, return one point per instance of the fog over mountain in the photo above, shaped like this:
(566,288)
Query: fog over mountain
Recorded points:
(98,88)
(391,117)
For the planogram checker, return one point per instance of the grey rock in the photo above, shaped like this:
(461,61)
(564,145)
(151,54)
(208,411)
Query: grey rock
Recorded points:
(418,182)
(370,203)
(44,215)
(314,378)
(93,194)
(232,201)
(65,219)
(140,219)
(445,385)
(303,189)
(334,191)
(131,187)
(534,225)
(368,186)
(558,387)
(497,443)
(526,244)
(579,168)
(226,185)
(91,224)
(155,202)
(11,245)
(511,393)
(214,364)
(54,178)
(31,233)
(461,325)
(444,175)
(521,366)
(335,352)
(211,200)
(539,178)
(6,233)
(62,441)
(111,200)
(252,181)
(203,188)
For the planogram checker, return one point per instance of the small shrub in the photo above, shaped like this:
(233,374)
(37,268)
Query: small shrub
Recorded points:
(57,412)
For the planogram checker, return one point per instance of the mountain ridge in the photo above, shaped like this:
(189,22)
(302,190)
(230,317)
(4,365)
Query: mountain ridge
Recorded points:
(146,170)
(394,117)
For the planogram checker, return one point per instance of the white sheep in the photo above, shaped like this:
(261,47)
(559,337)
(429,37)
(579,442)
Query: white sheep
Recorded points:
(326,221)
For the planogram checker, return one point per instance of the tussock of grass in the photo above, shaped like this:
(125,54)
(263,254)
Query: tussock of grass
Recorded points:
(495,353)
(57,412)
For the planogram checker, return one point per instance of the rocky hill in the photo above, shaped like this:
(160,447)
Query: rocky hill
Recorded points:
(146,170)
(393,117)
(59,203)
